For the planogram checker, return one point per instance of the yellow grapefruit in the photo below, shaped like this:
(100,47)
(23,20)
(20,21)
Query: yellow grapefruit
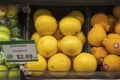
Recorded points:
(47,46)
(81,36)
(71,45)
(40,66)
(59,63)
(77,14)
(85,62)
(45,25)
(69,25)
(35,36)
(39,12)
(116,11)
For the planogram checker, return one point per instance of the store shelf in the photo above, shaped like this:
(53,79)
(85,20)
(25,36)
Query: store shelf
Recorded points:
(74,75)
(62,2)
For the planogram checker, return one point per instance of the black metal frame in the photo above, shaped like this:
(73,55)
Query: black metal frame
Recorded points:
(62,2)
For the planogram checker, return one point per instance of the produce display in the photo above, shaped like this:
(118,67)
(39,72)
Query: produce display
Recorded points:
(9,30)
(57,41)
(60,43)
(104,40)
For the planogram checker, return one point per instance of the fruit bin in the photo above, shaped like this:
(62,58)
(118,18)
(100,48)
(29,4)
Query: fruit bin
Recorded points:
(12,29)
(59,12)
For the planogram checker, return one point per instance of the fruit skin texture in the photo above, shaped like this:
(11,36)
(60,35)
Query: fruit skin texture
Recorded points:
(85,62)
(14,73)
(99,53)
(117,28)
(96,35)
(2,58)
(10,65)
(39,12)
(4,29)
(47,46)
(39,65)
(2,11)
(4,36)
(111,63)
(59,62)
(112,45)
(82,37)
(100,18)
(116,11)
(71,45)
(4,73)
(12,10)
(113,36)
(77,14)
(69,25)
(45,25)
(35,36)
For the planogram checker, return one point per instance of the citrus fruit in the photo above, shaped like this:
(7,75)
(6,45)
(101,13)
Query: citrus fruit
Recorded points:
(5,29)
(117,28)
(77,14)
(81,36)
(47,46)
(45,25)
(112,45)
(99,53)
(113,36)
(4,36)
(60,64)
(35,36)
(69,25)
(96,35)
(71,45)
(100,18)
(85,62)
(111,63)
(39,65)
(39,12)
(116,11)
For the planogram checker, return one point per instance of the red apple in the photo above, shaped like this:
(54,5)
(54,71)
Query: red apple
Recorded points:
(2,11)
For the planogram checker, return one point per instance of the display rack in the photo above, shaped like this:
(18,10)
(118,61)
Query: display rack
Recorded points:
(62,2)
(88,3)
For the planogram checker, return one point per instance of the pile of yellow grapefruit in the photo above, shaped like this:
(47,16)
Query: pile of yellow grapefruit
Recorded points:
(57,41)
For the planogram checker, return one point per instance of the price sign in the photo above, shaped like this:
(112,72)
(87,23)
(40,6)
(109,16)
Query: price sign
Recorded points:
(20,51)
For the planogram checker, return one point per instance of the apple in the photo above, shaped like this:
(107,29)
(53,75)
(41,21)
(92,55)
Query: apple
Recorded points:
(14,74)
(3,72)
(12,10)
(10,65)
(4,28)
(2,11)
(2,58)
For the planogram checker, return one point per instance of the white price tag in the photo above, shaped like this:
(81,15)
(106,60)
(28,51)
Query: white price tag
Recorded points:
(20,51)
